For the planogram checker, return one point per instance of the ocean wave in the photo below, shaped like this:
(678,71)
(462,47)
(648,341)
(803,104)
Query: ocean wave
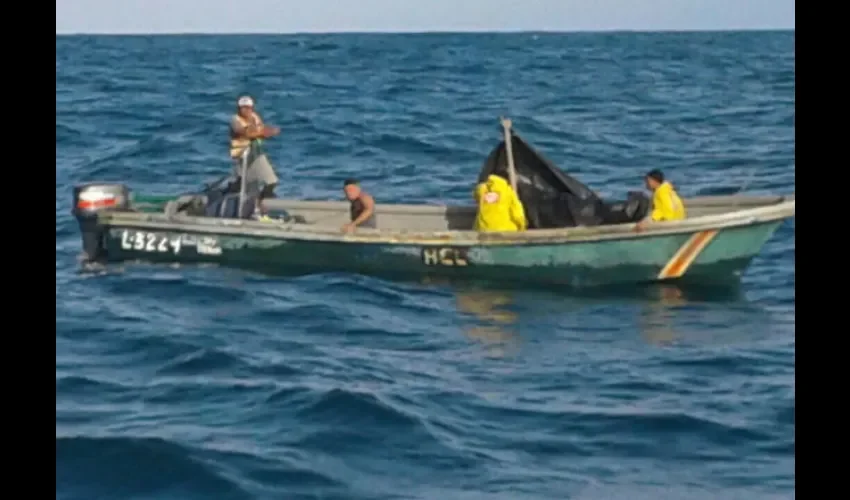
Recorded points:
(202,382)
(108,467)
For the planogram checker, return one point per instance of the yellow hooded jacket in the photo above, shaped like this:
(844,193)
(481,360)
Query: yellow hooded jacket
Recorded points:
(666,204)
(499,208)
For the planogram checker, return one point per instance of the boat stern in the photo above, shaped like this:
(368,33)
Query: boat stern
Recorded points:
(89,201)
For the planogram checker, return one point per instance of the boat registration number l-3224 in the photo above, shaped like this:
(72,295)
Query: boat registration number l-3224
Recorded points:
(143,241)
(149,242)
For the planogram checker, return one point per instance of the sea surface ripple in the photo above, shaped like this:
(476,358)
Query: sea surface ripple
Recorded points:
(184,383)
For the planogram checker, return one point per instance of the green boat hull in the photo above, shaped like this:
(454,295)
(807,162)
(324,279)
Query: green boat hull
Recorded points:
(705,256)
(714,244)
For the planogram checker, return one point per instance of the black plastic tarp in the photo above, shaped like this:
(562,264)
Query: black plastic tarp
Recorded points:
(552,198)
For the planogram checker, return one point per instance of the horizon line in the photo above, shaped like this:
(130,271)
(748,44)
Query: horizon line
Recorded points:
(426,32)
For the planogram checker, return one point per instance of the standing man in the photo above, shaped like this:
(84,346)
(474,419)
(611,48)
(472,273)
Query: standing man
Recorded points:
(362,211)
(246,126)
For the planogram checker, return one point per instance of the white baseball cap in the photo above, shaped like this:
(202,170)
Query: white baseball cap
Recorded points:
(245,102)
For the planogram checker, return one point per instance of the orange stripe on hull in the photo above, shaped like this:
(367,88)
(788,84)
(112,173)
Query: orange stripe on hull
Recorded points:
(678,265)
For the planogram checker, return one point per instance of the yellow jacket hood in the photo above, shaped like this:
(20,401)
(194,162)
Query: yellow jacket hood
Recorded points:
(496,183)
(499,208)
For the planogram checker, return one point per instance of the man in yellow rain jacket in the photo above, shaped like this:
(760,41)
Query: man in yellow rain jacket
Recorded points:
(666,204)
(499,208)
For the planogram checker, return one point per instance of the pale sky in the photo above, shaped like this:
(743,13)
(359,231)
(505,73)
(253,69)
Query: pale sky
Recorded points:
(298,16)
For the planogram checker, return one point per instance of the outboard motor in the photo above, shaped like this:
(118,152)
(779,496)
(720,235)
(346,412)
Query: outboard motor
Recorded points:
(93,199)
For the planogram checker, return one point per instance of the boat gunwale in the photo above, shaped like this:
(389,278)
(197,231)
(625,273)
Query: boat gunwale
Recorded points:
(695,201)
(783,208)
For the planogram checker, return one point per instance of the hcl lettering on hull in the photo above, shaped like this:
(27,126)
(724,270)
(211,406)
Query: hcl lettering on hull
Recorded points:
(445,256)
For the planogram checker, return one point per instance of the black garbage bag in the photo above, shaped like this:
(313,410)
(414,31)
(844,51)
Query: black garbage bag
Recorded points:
(551,198)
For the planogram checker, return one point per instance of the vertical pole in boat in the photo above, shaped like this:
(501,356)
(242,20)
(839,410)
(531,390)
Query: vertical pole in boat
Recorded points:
(242,175)
(509,152)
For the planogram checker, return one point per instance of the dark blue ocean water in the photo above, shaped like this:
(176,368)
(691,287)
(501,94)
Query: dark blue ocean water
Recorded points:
(185,383)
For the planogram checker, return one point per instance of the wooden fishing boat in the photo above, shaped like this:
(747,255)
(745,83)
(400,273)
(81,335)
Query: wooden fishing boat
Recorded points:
(715,242)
